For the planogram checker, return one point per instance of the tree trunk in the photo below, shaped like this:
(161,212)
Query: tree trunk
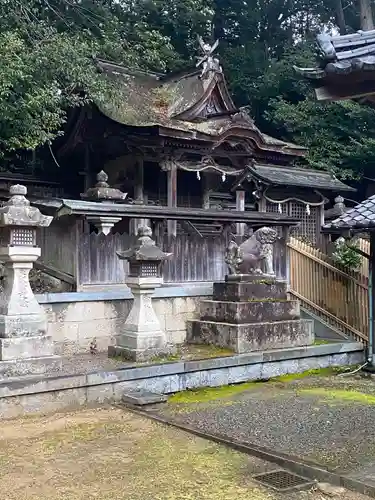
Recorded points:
(365,11)
(340,17)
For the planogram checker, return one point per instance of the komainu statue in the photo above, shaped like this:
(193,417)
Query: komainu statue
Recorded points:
(248,257)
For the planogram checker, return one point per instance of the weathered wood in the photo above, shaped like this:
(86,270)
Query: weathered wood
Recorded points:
(55,273)
(240,207)
(58,245)
(338,296)
(194,258)
(172,195)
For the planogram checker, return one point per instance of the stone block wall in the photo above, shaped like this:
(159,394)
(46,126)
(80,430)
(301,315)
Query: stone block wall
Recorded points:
(74,324)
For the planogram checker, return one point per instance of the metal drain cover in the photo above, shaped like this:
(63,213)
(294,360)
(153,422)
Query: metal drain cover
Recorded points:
(282,480)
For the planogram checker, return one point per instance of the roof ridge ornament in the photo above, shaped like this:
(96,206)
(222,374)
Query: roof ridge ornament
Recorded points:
(207,60)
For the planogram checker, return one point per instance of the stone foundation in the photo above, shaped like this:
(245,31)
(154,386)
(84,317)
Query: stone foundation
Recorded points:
(76,319)
(250,313)
(49,394)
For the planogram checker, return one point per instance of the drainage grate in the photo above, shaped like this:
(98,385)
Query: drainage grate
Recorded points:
(282,480)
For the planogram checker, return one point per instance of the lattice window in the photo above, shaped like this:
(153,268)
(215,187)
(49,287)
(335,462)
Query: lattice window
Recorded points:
(308,226)
(22,237)
(275,208)
(144,269)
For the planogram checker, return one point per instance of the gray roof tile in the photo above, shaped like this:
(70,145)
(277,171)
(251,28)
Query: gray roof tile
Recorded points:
(303,177)
(359,217)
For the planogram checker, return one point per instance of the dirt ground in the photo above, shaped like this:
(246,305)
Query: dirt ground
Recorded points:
(112,454)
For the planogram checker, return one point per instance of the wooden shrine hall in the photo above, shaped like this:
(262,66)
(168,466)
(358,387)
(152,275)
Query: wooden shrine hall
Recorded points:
(179,140)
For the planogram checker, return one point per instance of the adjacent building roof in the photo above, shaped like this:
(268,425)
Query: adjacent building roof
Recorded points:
(293,176)
(361,217)
(188,104)
(65,207)
(347,67)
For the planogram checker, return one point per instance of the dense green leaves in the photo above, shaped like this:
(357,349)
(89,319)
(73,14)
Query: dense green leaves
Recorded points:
(47,48)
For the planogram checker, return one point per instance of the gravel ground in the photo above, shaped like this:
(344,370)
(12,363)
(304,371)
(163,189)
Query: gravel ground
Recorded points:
(328,420)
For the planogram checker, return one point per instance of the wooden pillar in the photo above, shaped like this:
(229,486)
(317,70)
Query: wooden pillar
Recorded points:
(206,191)
(286,266)
(87,183)
(139,182)
(139,196)
(371,304)
(240,207)
(172,194)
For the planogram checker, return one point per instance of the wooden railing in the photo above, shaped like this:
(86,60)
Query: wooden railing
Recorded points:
(337,295)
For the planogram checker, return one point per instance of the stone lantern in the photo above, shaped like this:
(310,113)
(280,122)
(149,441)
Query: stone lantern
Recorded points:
(23,323)
(103,192)
(141,336)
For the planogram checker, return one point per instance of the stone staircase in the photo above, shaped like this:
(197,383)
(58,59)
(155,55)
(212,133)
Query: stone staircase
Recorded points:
(250,313)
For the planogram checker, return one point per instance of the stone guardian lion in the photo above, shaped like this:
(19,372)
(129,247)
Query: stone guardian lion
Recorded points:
(248,257)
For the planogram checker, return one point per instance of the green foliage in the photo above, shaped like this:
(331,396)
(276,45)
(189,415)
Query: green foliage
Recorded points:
(48,49)
(346,255)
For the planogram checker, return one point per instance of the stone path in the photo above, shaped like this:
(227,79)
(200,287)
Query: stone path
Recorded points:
(111,454)
(328,420)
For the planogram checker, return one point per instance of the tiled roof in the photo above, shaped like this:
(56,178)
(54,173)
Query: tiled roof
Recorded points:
(147,100)
(361,216)
(293,176)
(343,55)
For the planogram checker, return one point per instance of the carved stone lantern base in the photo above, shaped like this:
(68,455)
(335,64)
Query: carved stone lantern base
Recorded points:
(141,337)
(25,347)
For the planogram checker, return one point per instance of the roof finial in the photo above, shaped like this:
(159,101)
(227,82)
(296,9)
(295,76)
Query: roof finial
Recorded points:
(208,61)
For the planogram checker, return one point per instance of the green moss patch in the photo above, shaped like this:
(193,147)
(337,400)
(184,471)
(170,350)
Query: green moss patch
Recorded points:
(340,395)
(211,393)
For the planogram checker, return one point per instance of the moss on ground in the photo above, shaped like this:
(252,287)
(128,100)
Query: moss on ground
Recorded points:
(191,352)
(340,395)
(322,342)
(316,372)
(111,454)
(211,393)
(207,394)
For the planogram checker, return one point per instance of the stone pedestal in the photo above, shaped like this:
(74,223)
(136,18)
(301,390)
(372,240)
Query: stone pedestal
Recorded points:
(250,313)
(141,337)
(25,347)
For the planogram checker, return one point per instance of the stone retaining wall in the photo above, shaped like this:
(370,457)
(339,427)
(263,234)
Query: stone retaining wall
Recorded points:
(75,319)
(22,395)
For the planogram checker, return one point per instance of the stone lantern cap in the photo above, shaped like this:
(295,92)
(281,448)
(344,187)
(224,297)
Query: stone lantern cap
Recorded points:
(144,249)
(18,212)
(102,191)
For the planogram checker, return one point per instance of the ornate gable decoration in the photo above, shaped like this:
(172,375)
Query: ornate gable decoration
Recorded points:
(208,61)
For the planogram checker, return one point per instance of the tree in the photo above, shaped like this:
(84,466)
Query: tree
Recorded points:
(366,18)
(48,48)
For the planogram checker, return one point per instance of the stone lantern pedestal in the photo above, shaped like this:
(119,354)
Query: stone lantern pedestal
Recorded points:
(141,337)
(25,346)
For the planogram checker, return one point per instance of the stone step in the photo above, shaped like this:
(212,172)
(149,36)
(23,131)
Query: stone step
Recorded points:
(142,397)
(30,366)
(251,337)
(240,291)
(249,312)
(26,347)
